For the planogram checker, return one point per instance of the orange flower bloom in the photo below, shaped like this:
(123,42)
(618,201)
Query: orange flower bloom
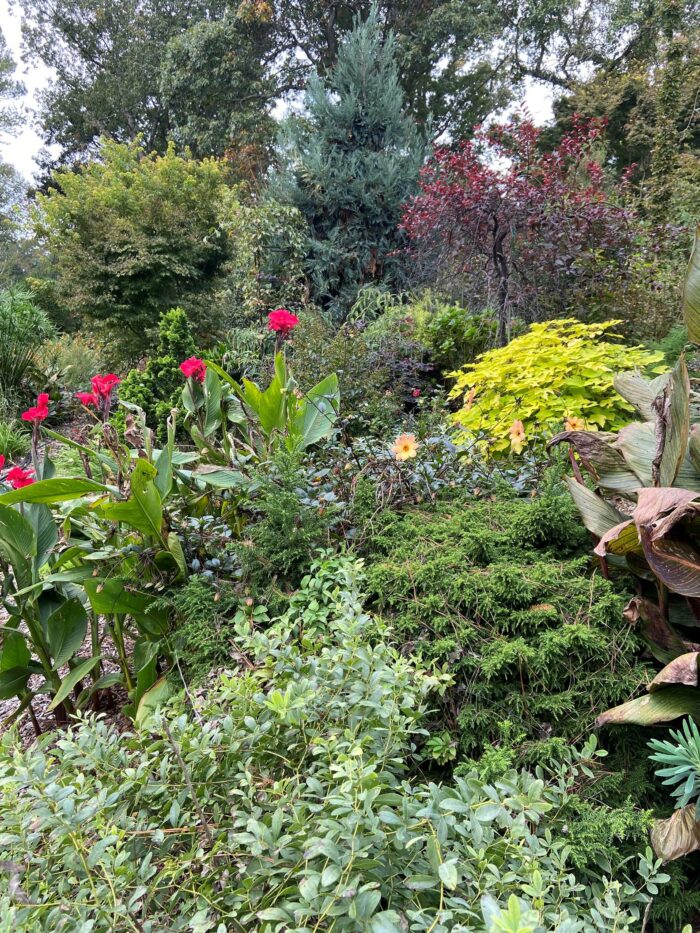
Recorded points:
(574,423)
(405,446)
(470,398)
(517,436)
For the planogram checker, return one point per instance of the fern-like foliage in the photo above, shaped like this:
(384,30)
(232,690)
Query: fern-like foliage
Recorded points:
(682,759)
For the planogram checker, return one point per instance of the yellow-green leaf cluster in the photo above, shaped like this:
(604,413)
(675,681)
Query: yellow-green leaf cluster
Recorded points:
(557,372)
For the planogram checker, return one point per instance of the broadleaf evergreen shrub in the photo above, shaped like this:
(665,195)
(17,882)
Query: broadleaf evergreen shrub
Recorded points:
(283,799)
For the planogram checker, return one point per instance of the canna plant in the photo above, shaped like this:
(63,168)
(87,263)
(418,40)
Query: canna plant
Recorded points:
(228,420)
(46,608)
(644,511)
(78,553)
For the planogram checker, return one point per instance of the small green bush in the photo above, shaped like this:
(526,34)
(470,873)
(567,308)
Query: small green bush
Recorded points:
(282,801)
(453,334)
(289,525)
(157,388)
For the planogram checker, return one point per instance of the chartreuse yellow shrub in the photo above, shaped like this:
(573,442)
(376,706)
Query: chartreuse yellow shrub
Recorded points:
(557,375)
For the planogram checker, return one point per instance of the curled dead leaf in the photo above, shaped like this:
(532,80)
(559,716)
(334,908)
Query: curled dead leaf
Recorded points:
(677,836)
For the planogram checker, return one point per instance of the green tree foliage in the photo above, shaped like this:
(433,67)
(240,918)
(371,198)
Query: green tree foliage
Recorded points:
(11,89)
(352,160)
(131,235)
(206,72)
(216,81)
(648,96)
(105,56)
(12,187)
(264,269)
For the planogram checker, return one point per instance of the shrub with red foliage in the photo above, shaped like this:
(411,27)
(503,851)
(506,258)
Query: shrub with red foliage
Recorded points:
(504,224)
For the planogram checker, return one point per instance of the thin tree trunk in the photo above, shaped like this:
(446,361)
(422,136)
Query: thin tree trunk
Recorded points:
(500,264)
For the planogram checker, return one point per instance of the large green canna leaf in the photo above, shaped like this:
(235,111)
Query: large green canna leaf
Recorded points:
(65,630)
(13,649)
(73,678)
(691,292)
(45,528)
(164,472)
(317,413)
(662,706)
(598,516)
(232,406)
(220,478)
(13,681)
(50,491)
(151,700)
(143,509)
(269,407)
(212,396)
(17,544)
(113,597)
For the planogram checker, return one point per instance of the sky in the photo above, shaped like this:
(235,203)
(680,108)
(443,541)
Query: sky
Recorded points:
(21,151)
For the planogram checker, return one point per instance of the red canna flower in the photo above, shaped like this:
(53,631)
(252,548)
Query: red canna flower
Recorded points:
(282,321)
(103,385)
(87,398)
(39,411)
(2,461)
(416,393)
(19,478)
(193,368)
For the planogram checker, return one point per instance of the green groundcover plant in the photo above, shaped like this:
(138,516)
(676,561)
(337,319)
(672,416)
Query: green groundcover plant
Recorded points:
(282,801)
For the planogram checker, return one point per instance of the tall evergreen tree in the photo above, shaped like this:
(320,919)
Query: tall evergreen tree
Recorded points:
(352,161)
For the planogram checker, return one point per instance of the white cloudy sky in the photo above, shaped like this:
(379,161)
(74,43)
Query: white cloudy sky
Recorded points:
(22,150)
